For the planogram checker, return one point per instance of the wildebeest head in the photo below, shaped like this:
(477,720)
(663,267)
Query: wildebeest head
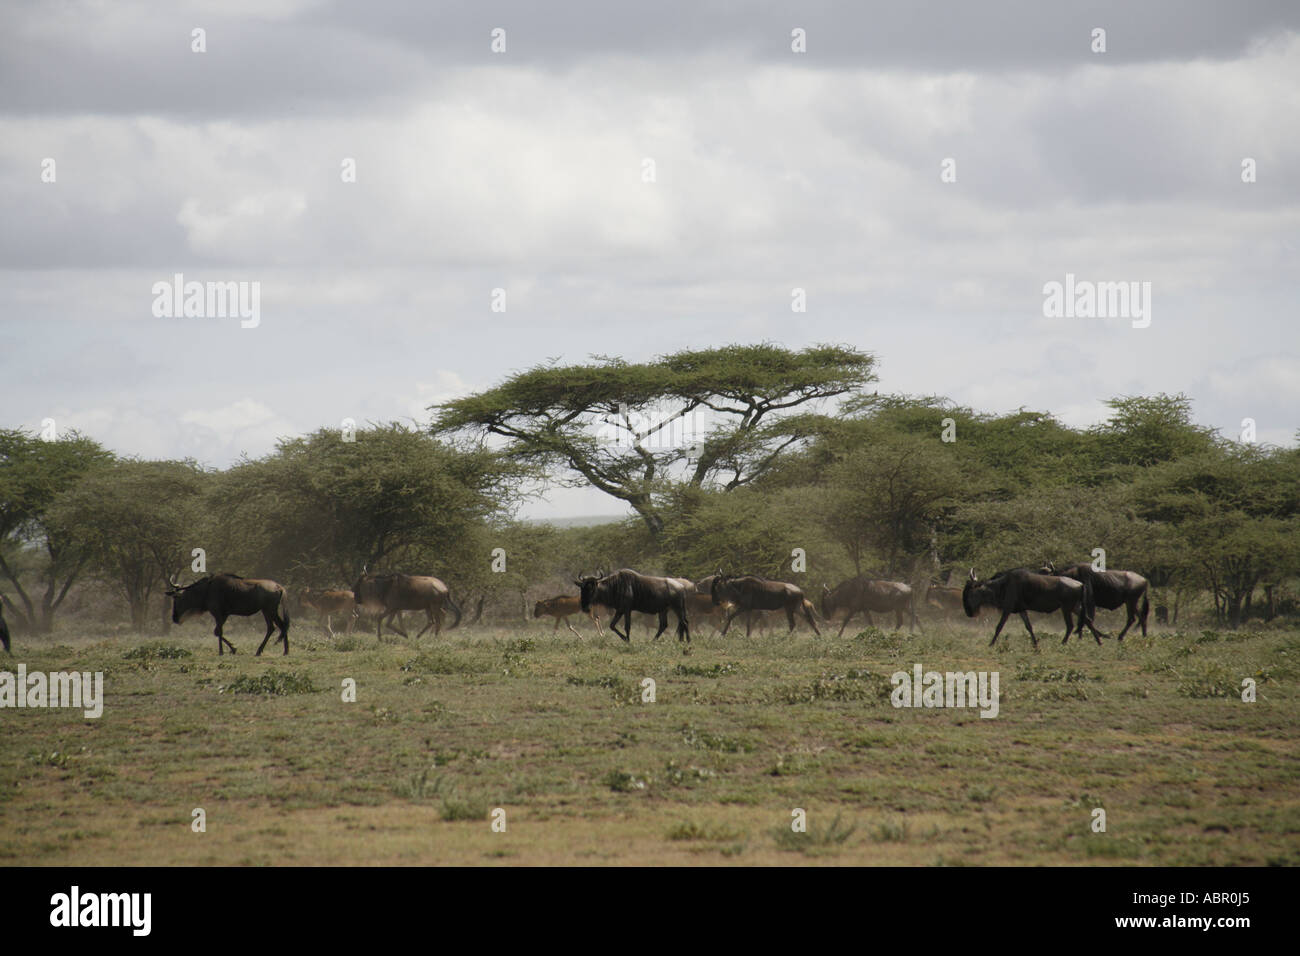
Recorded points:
(189,600)
(972,595)
(370,589)
(828,601)
(587,587)
(718,590)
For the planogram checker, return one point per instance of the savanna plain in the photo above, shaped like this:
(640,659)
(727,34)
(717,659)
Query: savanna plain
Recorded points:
(556,732)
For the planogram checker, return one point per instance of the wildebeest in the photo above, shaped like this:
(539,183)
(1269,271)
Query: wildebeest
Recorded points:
(749,592)
(945,599)
(329,603)
(1021,590)
(222,595)
(1110,589)
(561,607)
(627,591)
(866,595)
(387,595)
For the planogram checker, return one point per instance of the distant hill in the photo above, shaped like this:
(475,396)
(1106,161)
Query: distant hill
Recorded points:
(581,521)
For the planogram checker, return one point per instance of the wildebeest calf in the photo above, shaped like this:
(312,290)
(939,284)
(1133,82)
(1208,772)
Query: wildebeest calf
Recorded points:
(329,603)
(561,607)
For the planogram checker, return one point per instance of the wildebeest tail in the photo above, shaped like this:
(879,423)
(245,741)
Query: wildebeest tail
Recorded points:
(455,610)
(1146,606)
(1089,602)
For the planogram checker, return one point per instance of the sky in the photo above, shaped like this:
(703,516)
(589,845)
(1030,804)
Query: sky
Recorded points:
(921,171)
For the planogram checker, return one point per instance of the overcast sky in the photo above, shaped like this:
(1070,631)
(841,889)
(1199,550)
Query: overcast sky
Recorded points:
(523,170)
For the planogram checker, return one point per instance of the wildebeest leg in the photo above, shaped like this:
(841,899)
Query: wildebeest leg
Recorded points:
(600,631)
(1069,624)
(1024,616)
(271,619)
(998,629)
(749,622)
(845,622)
(557,623)
(663,623)
(898,618)
(726,621)
(568,625)
(808,613)
(221,623)
(394,626)
(1131,609)
(613,626)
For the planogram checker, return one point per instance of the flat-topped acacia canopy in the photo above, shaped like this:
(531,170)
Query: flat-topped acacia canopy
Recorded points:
(560,416)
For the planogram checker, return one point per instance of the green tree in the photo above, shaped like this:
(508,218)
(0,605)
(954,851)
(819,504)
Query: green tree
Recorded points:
(1147,430)
(138,522)
(634,431)
(319,508)
(33,473)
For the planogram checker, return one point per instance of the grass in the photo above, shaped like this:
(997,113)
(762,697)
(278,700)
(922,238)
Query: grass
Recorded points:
(556,733)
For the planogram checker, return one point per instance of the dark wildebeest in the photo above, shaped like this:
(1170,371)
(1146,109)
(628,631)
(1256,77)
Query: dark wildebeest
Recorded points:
(390,594)
(329,603)
(866,595)
(561,607)
(225,594)
(749,593)
(627,591)
(1021,590)
(1110,589)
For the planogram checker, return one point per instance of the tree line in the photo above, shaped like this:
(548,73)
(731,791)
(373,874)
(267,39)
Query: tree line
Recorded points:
(752,459)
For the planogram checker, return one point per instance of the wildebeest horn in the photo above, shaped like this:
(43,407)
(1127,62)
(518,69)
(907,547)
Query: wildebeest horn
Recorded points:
(972,574)
(826,588)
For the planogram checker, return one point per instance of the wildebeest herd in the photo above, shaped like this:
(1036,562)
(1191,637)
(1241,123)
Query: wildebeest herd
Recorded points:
(1076,591)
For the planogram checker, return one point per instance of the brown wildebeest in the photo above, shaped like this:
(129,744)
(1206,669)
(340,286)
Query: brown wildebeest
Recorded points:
(329,603)
(945,599)
(561,607)
(225,594)
(866,595)
(749,593)
(387,595)
(1021,590)
(626,591)
(1110,589)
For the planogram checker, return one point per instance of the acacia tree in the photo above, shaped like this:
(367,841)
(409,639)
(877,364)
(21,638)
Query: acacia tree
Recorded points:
(1235,519)
(33,473)
(137,522)
(319,508)
(630,430)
